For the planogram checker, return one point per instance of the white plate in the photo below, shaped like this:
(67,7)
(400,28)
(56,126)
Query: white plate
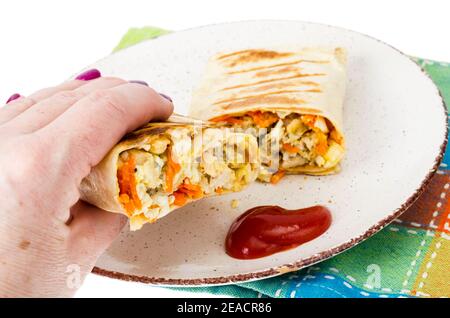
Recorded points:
(395,125)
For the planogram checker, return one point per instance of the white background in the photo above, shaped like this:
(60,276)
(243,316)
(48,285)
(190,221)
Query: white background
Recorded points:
(44,42)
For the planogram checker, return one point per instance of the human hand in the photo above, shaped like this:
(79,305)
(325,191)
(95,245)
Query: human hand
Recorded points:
(49,141)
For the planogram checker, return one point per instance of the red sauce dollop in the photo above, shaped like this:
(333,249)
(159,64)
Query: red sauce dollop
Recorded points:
(265,230)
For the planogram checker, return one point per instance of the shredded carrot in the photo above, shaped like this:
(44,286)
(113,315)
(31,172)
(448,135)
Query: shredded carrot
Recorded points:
(276,177)
(171,169)
(228,119)
(187,191)
(289,148)
(191,190)
(180,198)
(191,187)
(322,144)
(263,119)
(334,135)
(195,193)
(309,120)
(128,196)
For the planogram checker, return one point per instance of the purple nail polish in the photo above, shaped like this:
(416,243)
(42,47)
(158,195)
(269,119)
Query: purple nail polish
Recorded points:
(89,75)
(13,97)
(139,82)
(166,97)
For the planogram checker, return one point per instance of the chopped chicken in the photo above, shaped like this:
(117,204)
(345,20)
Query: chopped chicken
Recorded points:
(181,166)
(292,140)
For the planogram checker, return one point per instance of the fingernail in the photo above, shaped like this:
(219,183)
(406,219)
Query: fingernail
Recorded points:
(89,75)
(13,97)
(139,82)
(166,97)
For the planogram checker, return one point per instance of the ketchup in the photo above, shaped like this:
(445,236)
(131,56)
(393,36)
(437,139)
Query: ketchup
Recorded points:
(265,230)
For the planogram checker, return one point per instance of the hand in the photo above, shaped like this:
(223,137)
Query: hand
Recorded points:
(49,141)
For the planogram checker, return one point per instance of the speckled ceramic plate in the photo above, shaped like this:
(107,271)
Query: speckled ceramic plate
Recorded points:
(395,125)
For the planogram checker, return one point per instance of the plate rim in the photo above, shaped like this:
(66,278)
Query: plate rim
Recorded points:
(318,257)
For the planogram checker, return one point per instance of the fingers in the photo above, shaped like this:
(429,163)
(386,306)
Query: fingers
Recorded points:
(50,91)
(45,111)
(18,106)
(13,108)
(92,126)
(92,230)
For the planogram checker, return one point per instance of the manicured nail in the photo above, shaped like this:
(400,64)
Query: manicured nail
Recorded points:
(89,75)
(13,97)
(166,97)
(139,82)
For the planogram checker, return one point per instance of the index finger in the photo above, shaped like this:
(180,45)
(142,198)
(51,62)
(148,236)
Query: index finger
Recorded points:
(91,127)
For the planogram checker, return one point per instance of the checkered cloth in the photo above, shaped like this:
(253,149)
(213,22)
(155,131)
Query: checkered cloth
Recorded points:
(410,257)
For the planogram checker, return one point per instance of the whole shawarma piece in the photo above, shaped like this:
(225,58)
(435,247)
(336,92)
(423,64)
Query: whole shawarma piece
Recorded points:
(290,98)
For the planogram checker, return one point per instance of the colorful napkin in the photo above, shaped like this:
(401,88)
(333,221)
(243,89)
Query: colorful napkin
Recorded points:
(408,258)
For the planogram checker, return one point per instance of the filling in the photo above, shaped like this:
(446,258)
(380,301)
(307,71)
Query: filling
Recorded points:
(180,166)
(289,141)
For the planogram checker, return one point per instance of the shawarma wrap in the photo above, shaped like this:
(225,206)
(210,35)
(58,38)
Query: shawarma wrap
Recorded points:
(291,99)
(163,166)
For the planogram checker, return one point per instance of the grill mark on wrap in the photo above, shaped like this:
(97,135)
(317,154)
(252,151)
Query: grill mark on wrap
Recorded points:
(314,90)
(266,89)
(145,131)
(257,68)
(273,80)
(251,56)
(277,71)
(265,100)
(278,86)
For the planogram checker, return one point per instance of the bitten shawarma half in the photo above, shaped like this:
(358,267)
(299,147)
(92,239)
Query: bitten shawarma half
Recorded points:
(163,166)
